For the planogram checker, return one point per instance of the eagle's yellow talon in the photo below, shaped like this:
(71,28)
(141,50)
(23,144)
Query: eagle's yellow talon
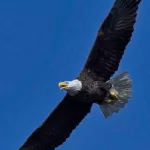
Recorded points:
(113,96)
(114,93)
(109,101)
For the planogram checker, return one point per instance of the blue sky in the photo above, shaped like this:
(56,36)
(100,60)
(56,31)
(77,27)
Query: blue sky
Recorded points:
(44,42)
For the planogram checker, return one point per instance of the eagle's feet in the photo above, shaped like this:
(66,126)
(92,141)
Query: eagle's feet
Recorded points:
(112,96)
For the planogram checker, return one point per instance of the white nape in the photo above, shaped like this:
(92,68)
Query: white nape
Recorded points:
(73,87)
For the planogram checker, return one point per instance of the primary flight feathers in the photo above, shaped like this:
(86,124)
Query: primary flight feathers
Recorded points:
(93,83)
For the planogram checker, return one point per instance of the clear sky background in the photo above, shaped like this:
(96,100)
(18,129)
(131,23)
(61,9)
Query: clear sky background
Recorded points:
(44,42)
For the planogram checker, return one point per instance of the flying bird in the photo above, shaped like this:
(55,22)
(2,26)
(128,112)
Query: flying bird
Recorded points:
(94,84)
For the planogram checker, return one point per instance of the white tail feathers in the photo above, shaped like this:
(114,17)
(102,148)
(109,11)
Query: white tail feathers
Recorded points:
(122,84)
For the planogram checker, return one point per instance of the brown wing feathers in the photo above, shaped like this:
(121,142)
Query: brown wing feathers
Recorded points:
(58,126)
(112,39)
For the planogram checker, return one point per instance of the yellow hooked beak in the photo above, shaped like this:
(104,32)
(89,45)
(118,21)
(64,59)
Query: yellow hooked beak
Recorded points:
(63,85)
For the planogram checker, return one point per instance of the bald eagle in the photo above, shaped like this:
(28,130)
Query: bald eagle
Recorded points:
(93,84)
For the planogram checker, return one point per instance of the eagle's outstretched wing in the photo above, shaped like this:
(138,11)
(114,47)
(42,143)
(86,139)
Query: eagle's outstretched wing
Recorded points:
(112,39)
(58,126)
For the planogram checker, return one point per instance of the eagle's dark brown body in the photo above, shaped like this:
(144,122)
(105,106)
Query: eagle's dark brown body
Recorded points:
(93,89)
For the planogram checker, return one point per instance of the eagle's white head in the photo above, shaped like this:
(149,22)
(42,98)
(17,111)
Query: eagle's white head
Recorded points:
(72,87)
